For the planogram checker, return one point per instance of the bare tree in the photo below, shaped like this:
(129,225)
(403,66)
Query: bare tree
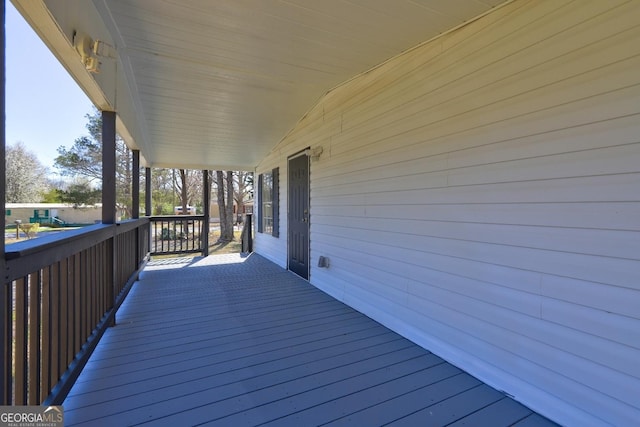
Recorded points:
(25,180)
(225,204)
(229,216)
(183,192)
(188,185)
(243,182)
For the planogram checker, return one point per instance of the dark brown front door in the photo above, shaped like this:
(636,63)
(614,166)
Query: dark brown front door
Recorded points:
(299,215)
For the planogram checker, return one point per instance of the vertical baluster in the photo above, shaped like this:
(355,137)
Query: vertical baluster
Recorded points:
(34,339)
(71,310)
(46,322)
(64,315)
(105,275)
(87,286)
(77,302)
(20,365)
(168,232)
(168,235)
(84,292)
(99,278)
(184,229)
(110,272)
(9,344)
(118,255)
(121,253)
(93,268)
(176,232)
(95,286)
(55,314)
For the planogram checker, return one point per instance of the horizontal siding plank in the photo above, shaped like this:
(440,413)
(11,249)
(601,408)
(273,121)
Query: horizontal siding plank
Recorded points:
(615,384)
(389,278)
(610,132)
(426,142)
(614,271)
(599,216)
(611,299)
(615,349)
(483,48)
(545,379)
(472,316)
(611,188)
(611,326)
(613,131)
(485,301)
(605,161)
(438,114)
(507,277)
(611,243)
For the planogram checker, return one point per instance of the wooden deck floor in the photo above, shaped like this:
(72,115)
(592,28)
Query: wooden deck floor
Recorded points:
(234,341)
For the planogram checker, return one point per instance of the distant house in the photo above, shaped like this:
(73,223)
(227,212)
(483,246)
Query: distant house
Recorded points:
(214,211)
(52,213)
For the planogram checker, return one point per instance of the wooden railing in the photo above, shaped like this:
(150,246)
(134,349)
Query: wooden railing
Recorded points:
(177,234)
(61,293)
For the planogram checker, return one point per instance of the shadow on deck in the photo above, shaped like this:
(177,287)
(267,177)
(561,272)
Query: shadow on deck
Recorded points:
(226,340)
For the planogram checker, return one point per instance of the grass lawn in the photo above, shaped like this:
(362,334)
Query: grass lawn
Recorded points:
(224,248)
(214,248)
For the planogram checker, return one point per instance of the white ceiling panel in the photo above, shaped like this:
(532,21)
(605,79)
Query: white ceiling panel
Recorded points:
(217,83)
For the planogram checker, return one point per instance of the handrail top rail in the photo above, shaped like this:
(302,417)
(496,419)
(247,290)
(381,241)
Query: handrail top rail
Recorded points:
(94,233)
(130,224)
(90,234)
(175,217)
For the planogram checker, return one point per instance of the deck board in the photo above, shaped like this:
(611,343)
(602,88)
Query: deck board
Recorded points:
(240,341)
(503,411)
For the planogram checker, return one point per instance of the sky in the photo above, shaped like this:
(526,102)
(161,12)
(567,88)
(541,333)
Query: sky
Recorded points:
(45,108)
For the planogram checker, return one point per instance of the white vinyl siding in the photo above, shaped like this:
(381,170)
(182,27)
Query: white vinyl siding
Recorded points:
(480,194)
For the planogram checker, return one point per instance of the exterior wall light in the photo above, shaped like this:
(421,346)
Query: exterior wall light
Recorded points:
(316,152)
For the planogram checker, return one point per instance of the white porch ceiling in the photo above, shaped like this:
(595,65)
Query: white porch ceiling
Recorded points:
(217,83)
